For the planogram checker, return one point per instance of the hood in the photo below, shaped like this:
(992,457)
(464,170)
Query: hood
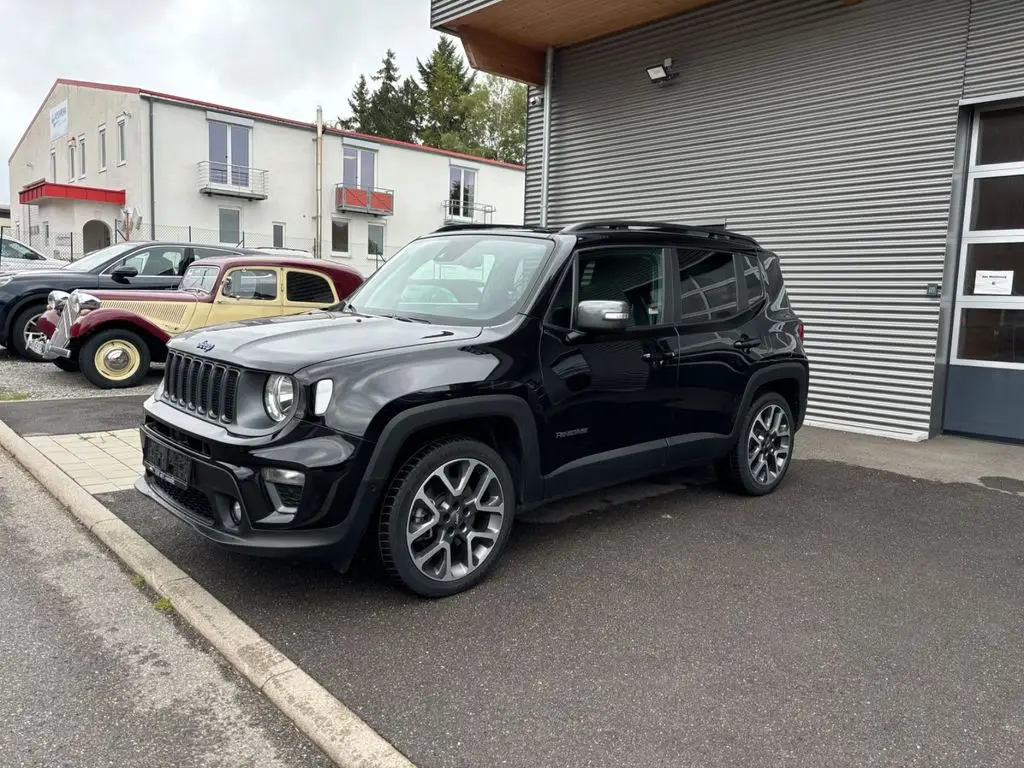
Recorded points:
(35,274)
(288,344)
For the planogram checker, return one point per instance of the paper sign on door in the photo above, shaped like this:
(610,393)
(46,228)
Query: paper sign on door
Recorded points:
(993,283)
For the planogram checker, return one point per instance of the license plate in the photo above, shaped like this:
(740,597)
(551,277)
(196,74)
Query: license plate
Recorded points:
(37,345)
(168,464)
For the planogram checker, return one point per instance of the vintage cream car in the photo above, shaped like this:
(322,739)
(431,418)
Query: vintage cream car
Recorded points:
(113,336)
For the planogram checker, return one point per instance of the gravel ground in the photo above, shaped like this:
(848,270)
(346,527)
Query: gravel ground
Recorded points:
(21,380)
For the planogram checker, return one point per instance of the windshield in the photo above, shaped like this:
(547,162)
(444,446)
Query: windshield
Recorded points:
(200,279)
(478,279)
(97,259)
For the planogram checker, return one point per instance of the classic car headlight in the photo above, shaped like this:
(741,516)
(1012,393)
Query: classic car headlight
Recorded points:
(57,299)
(279,397)
(82,302)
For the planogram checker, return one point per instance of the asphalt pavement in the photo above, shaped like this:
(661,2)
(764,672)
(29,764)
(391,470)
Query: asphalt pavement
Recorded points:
(854,618)
(94,675)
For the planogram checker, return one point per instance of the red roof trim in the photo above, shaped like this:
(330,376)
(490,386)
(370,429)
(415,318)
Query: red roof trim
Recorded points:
(40,190)
(255,116)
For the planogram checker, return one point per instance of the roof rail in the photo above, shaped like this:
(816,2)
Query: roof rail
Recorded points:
(720,233)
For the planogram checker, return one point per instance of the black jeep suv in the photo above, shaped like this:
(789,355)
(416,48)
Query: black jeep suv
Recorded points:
(480,372)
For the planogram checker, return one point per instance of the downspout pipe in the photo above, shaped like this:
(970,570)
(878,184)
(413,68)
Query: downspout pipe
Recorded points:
(549,74)
(318,249)
(152,177)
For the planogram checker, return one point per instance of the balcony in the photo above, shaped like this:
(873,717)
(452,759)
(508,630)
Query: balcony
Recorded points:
(377,202)
(456,212)
(233,180)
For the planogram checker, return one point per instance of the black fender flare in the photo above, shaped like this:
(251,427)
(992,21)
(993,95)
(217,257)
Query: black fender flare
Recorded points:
(790,370)
(17,306)
(404,424)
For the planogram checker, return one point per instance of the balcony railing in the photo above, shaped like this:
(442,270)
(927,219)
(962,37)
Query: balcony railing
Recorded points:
(233,180)
(456,212)
(379,202)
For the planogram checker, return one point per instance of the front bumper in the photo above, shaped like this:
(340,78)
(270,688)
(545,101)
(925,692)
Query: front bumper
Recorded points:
(56,327)
(324,528)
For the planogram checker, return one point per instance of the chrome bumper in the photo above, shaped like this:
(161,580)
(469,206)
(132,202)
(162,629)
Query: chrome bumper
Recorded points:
(57,345)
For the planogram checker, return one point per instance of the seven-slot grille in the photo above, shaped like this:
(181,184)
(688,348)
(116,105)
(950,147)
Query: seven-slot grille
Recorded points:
(209,389)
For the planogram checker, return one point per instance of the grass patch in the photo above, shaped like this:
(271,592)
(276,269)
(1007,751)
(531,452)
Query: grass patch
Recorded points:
(137,580)
(9,397)
(163,605)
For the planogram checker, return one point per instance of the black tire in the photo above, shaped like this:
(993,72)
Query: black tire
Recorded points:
(734,470)
(87,359)
(397,510)
(18,328)
(67,364)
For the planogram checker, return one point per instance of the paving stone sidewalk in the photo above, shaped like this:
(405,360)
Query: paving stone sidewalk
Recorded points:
(100,462)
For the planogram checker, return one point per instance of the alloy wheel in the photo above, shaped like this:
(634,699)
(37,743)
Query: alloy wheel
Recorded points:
(32,333)
(456,518)
(768,444)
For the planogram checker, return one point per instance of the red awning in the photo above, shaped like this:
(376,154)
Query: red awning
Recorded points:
(47,191)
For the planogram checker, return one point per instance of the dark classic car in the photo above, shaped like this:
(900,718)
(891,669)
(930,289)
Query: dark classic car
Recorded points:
(150,265)
(113,336)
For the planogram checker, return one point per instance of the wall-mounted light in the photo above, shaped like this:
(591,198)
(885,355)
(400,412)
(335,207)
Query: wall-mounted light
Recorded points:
(662,73)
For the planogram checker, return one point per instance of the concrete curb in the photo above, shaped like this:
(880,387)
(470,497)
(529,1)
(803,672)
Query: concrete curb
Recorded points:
(334,728)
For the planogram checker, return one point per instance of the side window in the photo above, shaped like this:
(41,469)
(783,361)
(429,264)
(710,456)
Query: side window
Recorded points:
(157,262)
(560,312)
(632,274)
(16,251)
(307,288)
(708,288)
(753,279)
(251,284)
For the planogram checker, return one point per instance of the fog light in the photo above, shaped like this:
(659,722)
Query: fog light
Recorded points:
(236,513)
(284,487)
(283,476)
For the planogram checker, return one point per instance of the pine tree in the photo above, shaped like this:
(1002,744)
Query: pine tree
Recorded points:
(359,105)
(447,83)
(390,115)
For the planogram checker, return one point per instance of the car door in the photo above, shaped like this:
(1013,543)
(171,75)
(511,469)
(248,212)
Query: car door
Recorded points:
(246,293)
(608,394)
(158,267)
(715,354)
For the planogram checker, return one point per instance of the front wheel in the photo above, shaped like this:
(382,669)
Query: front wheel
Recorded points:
(446,517)
(114,359)
(763,451)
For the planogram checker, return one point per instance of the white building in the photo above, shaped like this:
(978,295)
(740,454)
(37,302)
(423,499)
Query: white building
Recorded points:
(189,170)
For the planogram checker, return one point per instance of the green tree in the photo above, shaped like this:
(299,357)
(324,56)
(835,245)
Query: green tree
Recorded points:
(446,82)
(498,119)
(359,105)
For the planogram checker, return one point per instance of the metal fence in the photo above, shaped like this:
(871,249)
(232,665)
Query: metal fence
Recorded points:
(70,246)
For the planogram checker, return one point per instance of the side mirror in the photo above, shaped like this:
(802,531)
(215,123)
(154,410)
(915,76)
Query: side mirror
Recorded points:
(124,273)
(603,316)
(228,287)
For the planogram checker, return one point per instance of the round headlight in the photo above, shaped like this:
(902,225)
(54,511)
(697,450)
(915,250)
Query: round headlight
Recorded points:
(56,300)
(279,397)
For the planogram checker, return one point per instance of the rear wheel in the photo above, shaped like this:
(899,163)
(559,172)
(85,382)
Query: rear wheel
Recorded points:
(115,359)
(24,331)
(446,517)
(763,451)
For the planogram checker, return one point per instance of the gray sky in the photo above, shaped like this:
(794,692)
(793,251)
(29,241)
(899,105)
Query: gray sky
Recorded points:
(274,56)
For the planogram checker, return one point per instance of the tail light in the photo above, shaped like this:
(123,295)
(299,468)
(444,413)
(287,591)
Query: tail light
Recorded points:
(800,331)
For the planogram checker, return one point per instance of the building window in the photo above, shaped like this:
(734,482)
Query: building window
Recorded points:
(122,149)
(375,241)
(46,233)
(339,236)
(229,154)
(81,157)
(71,161)
(278,235)
(101,142)
(360,168)
(989,327)
(462,192)
(53,165)
(230,225)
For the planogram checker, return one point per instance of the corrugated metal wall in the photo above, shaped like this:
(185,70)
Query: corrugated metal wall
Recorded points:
(827,131)
(443,11)
(995,59)
(534,154)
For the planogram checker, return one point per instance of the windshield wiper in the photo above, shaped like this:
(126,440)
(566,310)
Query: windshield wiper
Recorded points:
(404,318)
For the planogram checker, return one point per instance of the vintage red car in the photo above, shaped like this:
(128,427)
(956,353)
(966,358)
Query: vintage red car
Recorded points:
(113,336)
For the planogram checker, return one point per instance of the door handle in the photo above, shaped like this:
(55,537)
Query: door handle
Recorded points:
(657,359)
(745,343)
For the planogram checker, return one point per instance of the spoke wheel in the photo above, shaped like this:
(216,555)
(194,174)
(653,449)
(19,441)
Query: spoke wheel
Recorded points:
(447,515)
(760,457)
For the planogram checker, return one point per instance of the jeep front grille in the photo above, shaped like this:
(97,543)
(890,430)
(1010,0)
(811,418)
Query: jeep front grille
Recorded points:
(204,387)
